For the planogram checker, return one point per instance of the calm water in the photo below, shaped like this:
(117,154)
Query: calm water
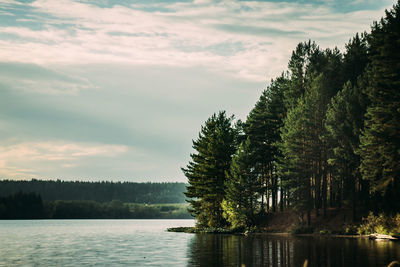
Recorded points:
(146,243)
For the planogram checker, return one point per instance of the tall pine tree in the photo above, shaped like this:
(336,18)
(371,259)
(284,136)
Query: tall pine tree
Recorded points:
(242,200)
(262,127)
(206,171)
(344,122)
(380,141)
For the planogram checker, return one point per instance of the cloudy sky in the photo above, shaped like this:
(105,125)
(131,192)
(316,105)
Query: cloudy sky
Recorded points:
(117,89)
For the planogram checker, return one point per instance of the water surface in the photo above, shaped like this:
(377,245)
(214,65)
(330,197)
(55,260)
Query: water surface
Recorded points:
(286,250)
(146,243)
(93,243)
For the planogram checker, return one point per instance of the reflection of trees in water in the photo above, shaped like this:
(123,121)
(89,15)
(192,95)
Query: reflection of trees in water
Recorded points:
(235,250)
(262,250)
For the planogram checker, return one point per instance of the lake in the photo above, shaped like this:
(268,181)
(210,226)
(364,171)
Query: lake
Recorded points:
(146,243)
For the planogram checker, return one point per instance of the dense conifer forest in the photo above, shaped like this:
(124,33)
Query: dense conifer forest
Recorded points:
(149,193)
(323,135)
(39,199)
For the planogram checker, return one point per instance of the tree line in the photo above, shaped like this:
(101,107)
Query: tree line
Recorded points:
(31,206)
(325,133)
(97,191)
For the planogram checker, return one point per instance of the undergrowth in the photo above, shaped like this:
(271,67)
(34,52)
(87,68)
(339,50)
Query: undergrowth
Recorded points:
(380,224)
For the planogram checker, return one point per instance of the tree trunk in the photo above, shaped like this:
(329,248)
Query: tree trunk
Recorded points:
(273,189)
(325,185)
(354,198)
(267,196)
(281,201)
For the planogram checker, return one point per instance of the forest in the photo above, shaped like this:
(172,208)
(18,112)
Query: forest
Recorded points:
(323,135)
(41,199)
(150,193)
(31,206)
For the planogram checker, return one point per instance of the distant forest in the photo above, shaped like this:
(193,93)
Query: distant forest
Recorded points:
(126,192)
(325,134)
(31,206)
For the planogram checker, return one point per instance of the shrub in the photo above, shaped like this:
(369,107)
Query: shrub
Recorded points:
(381,224)
(349,229)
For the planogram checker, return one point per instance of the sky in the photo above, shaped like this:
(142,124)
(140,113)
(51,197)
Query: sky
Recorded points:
(116,90)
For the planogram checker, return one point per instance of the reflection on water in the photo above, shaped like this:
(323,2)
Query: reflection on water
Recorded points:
(92,243)
(147,243)
(275,250)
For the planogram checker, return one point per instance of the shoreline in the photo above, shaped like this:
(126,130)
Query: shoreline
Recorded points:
(194,230)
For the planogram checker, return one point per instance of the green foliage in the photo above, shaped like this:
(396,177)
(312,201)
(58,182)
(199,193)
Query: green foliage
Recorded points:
(98,191)
(241,198)
(159,211)
(344,123)
(304,148)
(21,206)
(303,64)
(355,58)
(262,128)
(381,224)
(181,229)
(380,141)
(325,133)
(30,206)
(204,230)
(349,229)
(295,164)
(206,171)
(81,209)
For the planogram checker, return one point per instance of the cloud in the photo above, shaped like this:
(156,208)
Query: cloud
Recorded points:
(143,34)
(258,31)
(56,151)
(32,78)
(155,112)
(125,85)
(52,154)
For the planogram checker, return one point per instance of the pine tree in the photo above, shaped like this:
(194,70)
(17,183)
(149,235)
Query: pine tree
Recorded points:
(304,64)
(262,127)
(344,122)
(320,74)
(241,203)
(206,171)
(380,141)
(296,162)
(323,88)
(355,58)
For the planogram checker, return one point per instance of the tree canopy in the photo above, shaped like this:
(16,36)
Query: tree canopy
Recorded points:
(206,171)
